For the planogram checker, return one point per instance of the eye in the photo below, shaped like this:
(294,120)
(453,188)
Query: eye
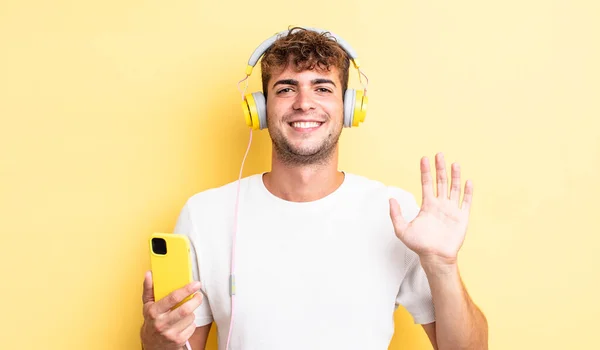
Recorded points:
(322,89)
(284,90)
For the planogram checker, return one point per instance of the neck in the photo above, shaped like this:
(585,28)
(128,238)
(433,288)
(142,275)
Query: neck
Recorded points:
(303,183)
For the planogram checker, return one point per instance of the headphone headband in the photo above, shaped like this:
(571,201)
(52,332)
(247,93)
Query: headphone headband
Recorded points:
(264,46)
(254,104)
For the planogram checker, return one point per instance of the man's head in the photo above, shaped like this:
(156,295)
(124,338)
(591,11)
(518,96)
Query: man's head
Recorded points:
(305,75)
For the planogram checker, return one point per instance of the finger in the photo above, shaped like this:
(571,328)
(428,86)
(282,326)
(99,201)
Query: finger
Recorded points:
(183,323)
(441,176)
(188,331)
(184,310)
(426,181)
(397,219)
(167,303)
(181,332)
(455,186)
(148,292)
(468,197)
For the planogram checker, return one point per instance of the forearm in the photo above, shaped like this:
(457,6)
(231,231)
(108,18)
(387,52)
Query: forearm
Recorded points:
(459,322)
(185,347)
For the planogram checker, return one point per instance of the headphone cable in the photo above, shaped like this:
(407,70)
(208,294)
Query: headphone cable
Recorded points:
(233,244)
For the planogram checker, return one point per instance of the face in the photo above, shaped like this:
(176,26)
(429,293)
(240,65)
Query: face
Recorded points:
(305,114)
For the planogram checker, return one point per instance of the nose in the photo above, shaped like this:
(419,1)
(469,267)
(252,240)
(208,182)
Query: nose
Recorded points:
(303,101)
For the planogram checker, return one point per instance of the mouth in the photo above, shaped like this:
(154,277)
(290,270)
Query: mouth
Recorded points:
(305,126)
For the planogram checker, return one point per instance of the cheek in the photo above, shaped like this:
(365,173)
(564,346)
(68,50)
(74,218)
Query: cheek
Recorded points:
(271,112)
(273,108)
(335,109)
(276,110)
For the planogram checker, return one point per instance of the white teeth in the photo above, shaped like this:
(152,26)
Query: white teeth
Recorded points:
(304,125)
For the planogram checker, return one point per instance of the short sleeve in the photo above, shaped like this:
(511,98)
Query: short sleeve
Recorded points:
(185,226)
(415,293)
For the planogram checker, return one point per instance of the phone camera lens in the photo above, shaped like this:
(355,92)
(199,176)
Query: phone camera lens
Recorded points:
(159,246)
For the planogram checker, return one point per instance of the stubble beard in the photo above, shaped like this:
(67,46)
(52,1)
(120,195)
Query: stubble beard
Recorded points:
(294,156)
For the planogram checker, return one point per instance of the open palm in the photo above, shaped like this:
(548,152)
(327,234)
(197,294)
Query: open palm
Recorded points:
(439,229)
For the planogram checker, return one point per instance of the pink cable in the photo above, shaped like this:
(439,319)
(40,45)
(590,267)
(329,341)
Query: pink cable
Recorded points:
(235,222)
(237,201)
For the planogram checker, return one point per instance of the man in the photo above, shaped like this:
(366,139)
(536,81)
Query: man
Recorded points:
(323,257)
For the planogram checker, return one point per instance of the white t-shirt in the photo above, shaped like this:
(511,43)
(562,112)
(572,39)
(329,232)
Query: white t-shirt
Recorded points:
(326,274)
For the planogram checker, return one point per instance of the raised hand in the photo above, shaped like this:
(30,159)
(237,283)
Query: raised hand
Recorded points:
(166,327)
(438,231)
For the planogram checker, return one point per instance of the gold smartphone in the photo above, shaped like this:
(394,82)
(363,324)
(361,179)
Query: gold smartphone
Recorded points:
(170,263)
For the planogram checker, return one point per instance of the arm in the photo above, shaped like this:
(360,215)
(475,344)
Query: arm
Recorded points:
(453,303)
(436,235)
(429,329)
(166,327)
(199,338)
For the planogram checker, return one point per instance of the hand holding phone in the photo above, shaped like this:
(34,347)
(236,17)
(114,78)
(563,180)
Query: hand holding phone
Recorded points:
(170,263)
(167,327)
(170,295)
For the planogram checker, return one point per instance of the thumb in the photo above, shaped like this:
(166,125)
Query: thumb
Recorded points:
(148,293)
(397,219)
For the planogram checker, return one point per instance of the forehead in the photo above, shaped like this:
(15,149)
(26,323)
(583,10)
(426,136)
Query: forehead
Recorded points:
(292,72)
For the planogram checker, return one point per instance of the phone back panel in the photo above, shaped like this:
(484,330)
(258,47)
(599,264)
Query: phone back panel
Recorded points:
(172,270)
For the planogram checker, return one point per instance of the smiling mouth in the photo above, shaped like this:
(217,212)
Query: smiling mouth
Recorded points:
(305,125)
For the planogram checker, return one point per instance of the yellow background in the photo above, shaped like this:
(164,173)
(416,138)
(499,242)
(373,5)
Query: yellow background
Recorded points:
(114,112)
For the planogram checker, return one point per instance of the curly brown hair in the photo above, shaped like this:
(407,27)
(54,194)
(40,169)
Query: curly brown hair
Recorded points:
(307,50)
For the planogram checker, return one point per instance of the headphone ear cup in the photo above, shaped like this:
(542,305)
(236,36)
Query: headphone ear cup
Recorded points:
(248,106)
(349,102)
(261,109)
(255,110)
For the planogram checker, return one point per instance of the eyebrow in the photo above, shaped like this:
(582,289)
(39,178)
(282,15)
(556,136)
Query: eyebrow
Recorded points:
(322,81)
(295,82)
(286,82)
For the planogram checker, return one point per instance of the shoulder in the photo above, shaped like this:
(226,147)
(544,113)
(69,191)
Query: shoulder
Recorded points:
(211,207)
(218,200)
